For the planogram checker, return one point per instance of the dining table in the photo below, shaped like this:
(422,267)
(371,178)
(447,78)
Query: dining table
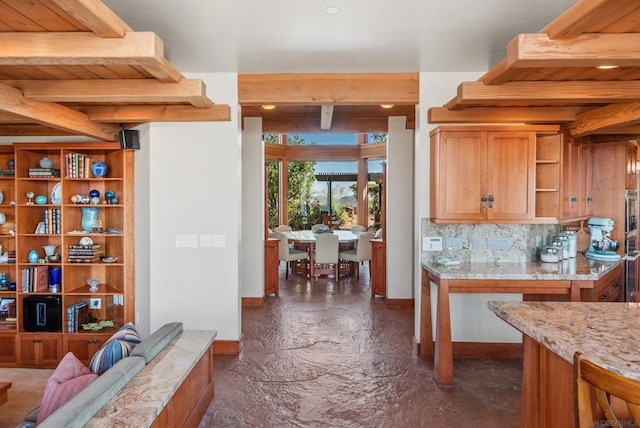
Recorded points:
(306,240)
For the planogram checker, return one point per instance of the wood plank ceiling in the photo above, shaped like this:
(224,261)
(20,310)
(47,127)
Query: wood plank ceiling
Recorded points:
(72,67)
(553,76)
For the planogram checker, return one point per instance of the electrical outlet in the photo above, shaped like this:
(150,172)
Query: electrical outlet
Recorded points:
(95,303)
(454,243)
(498,243)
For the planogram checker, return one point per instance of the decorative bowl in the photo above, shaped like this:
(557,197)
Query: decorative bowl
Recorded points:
(109,259)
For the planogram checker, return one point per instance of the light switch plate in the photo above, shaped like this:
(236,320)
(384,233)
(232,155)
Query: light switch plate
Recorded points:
(184,241)
(95,303)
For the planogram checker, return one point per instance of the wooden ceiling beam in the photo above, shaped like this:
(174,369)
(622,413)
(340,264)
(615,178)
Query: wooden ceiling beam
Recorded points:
(318,89)
(30,130)
(54,115)
(589,50)
(155,113)
(96,16)
(339,125)
(604,119)
(143,49)
(134,91)
(504,114)
(547,93)
(583,16)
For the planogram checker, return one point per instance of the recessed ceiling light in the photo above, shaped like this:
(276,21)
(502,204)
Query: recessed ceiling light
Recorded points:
(332,10)
(386,105)
(268,106)
(607,67)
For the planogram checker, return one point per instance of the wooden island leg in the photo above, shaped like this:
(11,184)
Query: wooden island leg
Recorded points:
(443,358)
(426,327)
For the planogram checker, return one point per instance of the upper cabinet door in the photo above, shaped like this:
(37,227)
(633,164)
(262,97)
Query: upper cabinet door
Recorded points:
(510,175)
(458,175)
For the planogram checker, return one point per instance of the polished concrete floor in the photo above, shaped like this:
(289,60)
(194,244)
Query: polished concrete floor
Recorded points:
(327,355)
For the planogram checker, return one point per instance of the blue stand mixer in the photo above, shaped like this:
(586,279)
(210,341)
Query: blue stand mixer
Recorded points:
(600,246)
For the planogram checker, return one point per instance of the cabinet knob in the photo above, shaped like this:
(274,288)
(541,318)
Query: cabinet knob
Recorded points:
(604,297)
(483,201)
(491,201)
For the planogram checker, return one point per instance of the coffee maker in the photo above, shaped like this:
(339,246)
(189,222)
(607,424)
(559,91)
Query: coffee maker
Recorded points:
(600,246)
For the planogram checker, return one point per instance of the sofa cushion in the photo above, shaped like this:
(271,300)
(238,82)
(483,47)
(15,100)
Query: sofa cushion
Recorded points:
(69,378)
(116,348)
(78,411)
(152,345)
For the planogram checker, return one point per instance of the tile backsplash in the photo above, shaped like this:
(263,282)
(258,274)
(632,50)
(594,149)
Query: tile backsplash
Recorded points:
(489,242)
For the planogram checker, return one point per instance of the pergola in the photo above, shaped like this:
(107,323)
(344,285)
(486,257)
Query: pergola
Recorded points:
(331,177)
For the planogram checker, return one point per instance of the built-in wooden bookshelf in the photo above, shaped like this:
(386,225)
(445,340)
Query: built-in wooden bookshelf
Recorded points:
(23,232)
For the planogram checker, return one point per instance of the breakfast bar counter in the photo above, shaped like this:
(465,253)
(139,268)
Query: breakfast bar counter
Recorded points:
(578,279)
(606,334)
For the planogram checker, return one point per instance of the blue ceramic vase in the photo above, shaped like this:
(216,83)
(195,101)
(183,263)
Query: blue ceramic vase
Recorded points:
(89,217)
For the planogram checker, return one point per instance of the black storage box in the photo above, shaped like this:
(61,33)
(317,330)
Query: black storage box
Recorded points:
(42,313)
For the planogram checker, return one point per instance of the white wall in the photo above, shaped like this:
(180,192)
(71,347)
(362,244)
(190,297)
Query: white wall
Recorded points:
(252,242)
(195,176)
(399,193)
(471,321)
(142,232)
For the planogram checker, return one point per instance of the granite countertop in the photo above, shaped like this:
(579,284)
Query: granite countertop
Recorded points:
(606,333)
(140,402)
(579,268)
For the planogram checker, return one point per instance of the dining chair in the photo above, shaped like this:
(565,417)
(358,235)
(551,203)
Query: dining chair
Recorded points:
(287,254)
(283,228)
(327,252)
(357,229)
(378,234)
(361,253)
(617,397)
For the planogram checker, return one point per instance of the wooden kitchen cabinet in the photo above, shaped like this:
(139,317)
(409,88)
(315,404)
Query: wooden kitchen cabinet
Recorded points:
(482,174)
(564,178)
(612,172)
(609,288)
(39,350)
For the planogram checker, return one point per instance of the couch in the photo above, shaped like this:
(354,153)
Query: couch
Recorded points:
(80,410)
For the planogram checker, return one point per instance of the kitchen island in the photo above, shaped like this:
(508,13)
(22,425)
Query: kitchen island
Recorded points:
(607,334)
(580,279)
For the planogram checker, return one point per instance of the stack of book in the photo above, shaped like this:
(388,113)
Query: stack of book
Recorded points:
(11,256)
(84,253)
(7,172)
(76,316)
(35,279)
(52,220)
(77,165)
(44,172)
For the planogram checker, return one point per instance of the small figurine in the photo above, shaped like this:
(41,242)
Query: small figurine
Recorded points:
(29,196)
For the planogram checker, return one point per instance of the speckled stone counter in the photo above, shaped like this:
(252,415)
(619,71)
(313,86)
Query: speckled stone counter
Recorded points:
(579,268)
(606,333)
(145,397)
(574,280)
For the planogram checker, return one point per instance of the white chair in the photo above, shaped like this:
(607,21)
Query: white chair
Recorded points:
(357,229)
(283,228)
(288,254)
(361,253)
(327,253)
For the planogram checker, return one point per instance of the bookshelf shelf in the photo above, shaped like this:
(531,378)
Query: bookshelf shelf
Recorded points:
(63,216)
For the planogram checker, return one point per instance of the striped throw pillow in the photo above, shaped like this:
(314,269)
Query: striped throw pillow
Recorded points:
(116,348)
